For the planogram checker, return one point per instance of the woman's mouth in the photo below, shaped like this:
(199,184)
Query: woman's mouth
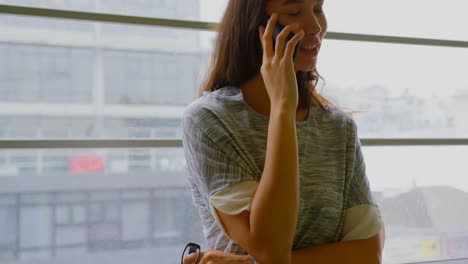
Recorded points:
(309,50)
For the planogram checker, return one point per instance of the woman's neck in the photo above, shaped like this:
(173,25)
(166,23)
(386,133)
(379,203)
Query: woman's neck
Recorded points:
(256,96)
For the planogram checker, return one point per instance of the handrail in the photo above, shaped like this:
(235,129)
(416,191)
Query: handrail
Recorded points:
(177,143)
(199,25)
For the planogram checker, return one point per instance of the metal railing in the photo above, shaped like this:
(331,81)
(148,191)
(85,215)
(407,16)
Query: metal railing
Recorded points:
(177,143)
(199,25)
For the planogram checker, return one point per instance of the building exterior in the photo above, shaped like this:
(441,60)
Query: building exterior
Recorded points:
(379,114)
(426,223)
(64,79)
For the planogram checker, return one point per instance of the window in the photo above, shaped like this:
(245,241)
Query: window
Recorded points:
(168,226)
(8,227)
(413,187)
(68,79)
(146,8)
(397,89)
(38,73)
(399,18)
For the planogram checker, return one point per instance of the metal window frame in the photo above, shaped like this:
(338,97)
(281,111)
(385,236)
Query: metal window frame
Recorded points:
(177,143)
(199,25)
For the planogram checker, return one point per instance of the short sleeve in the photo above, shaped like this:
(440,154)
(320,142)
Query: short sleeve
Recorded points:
(213,161)
(233,200)
(363,218)
(359,188)
(236,199)
(361,222)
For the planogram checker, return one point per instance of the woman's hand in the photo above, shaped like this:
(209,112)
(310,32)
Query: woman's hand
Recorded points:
(217,257)
(278,67)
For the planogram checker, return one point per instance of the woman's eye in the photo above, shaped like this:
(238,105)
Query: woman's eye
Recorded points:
(294,13)
(318,11)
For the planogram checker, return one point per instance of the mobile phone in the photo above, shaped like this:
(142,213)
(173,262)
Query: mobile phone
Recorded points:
(276,30)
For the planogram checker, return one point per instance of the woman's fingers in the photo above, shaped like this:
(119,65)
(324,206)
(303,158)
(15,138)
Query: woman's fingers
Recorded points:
(282,38)
(266,36)
(288,53)
(190,259)
(278,76)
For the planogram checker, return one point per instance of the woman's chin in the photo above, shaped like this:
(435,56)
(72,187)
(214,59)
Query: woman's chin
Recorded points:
(305,68)
(305,64)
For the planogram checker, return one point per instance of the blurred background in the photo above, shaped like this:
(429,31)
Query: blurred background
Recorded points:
(63,79)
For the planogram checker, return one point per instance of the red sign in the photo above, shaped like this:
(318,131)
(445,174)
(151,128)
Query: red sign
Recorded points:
(86,163)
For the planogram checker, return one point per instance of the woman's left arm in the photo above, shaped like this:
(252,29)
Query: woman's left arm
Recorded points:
(367,251)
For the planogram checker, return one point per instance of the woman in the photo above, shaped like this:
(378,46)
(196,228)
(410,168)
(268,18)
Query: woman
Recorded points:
(276,170)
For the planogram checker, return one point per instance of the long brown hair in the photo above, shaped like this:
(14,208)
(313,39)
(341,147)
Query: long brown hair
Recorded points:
(237,56)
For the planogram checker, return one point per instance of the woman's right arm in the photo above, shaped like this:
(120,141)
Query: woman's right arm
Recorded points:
(267,231)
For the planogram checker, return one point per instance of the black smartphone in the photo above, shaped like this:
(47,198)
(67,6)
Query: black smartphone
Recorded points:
(277,29)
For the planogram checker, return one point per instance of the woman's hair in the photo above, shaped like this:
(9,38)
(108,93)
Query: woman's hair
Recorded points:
(237,56)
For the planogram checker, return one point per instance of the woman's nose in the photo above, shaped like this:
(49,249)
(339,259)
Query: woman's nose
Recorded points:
(312,25)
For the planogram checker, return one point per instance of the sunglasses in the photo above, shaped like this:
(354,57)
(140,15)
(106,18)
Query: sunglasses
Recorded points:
(191,248)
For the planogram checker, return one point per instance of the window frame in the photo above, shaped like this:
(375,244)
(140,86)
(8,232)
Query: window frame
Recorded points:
(198,25)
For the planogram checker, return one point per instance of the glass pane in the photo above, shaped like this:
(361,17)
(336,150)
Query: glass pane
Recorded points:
(8,224)
(70,214)
(415,18)
(119,210)
(422,193)
(400,90)
(71,79)
(174,9)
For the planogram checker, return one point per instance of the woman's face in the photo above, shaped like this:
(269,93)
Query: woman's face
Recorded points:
(309,15)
